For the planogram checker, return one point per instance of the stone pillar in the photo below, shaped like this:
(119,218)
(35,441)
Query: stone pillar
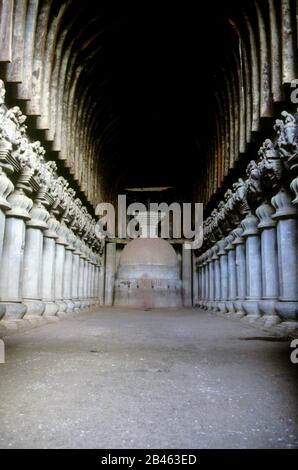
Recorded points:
(94,280)
(61,243)
(217,280)
(232,279)
(223,263)
(75,275)
(90,279)
(82,277)
(206,276)
(239,244)
(204,281)
(211,296)
(99,301)
(287,242)
(101,292)
(13,254)
(89,273)
(67,277)
(186,277)
(33,258)
(253,268)
(48,267)
(200,281)
(195,281)
(86,280)
(110,273)
(91,282)
(6,188)
(270,282)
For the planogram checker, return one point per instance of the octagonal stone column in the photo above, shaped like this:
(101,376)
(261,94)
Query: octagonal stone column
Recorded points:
(61,243)
(82,276)
(287,242)
(217,280)
(101,292)
(239,244)
(76,274)
(86,279)
(270,282)
(48,267)
(97,283)
(207,280)
(232,279)
(204,281)
(6,188)
(110,273)
(211,305)
(201,281)
(186,276)
(253,268)
(67,275)
(13,254)
(33,257)
(90,277)
(92,286)
(91,283)
(223,264)
(95,280)
(195,281)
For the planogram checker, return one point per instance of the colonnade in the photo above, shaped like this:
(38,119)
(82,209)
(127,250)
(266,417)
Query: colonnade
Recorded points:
(247,266)
(50,255)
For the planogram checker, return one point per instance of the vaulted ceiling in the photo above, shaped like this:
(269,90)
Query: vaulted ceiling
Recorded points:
(149,93)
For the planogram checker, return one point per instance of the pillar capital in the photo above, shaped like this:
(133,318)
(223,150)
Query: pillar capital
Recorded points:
(264,213)
(21,205)
(282,203)
(250,226)
(229,240)
(221,247)
(239,239)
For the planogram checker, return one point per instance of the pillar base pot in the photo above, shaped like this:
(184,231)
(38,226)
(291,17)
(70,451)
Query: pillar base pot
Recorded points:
(14,310)
(229,308)
(251,310)
(84,304)
(2,311)
(77,305)
(238,309)
(34,308)
(69,306)
(51,308)
(222,307)
(287,327)
(288,313)
(269,316)
(62,307)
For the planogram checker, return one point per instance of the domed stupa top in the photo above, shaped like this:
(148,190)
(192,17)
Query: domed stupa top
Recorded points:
(148,251)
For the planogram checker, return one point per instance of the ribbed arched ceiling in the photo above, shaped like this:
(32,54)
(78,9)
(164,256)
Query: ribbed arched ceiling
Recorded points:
(148,93)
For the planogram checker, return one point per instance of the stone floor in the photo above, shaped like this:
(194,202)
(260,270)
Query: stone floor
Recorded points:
(154,379)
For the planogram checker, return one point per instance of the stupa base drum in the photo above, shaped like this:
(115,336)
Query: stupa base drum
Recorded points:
(148,275)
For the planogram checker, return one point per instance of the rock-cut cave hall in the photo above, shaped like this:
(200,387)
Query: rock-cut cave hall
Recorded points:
(116,341)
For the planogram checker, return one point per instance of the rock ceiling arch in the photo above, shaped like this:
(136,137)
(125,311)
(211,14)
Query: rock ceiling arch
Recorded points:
(133,96)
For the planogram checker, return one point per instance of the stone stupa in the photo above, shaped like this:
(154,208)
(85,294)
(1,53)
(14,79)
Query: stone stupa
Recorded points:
(148,274)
